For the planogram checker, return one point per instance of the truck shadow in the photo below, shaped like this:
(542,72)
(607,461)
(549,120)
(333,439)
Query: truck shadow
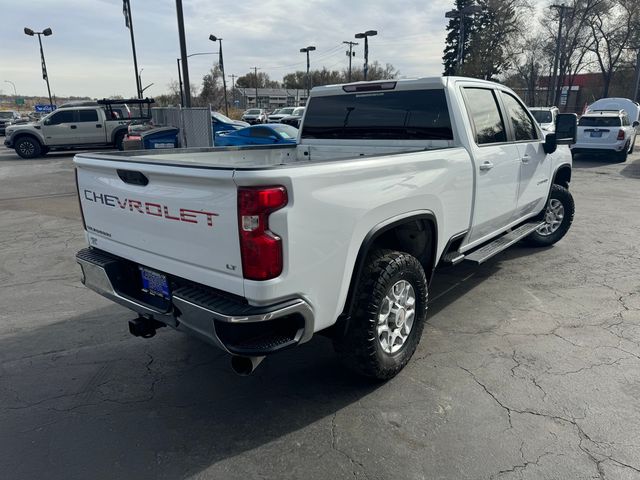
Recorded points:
(82,399)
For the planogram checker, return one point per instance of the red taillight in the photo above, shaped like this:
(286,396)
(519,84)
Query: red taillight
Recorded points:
(84,225)
(620,134)
(260,248)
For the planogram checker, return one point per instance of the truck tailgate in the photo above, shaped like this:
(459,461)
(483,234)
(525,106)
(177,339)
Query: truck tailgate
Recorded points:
(178,220)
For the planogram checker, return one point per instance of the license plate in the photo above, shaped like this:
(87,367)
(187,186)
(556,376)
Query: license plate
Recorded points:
(596,134)
(154,283)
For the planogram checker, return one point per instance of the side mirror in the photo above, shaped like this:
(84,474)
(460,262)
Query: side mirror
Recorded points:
(566,128)
(635,124)
(47,122)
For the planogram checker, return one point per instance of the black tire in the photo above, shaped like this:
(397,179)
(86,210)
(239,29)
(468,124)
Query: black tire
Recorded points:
(119,140)
(561,194)
(622,156)
(633,146)
(359,346)
(28,147)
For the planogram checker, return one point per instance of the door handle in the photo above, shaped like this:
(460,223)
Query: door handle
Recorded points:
(98,126)
(525,159)
(73,127)
(486,166)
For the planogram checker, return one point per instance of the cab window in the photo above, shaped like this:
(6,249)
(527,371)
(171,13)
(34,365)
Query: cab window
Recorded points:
(485,115)
(88,116)
(262,133)
(523,126)
(63,116)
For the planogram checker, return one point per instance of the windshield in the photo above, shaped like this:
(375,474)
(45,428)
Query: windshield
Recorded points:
(542,116)
(276,111)
(398,115)
(286,111)
(6,114)
(298,112)
(254,111)
(221,118)
(286,131)
(599,122)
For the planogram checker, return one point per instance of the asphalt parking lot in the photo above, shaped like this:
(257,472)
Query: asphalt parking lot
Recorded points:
(529,366)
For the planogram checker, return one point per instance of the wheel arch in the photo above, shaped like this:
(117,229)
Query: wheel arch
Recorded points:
(25,133)
(396,235)
(562,175)
(117,131)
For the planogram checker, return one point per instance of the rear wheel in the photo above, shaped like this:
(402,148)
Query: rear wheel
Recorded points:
(558,217)
(119,140)
(622,155)
(28,147)
(390,315)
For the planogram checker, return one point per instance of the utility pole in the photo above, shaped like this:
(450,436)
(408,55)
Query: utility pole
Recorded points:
(180,82)
(255,69)
(233,88)
(637,86)
(350,54)
(555,80)
(183,55)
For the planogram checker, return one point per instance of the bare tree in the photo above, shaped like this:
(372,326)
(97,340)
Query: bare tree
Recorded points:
(612,29)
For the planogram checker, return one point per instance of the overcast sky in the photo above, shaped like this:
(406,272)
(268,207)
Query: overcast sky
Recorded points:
(89,53)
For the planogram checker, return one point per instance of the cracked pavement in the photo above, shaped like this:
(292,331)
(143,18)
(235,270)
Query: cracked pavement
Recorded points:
(529,366)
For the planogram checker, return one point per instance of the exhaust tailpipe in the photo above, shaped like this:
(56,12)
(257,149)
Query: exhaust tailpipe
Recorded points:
(245,365)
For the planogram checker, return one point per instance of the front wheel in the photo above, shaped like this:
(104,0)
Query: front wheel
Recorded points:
(28,147)
(558,217)
(391,310)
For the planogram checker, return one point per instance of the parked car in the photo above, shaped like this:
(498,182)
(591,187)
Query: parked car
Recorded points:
(222,123)
(616,104)
(257,250)
(605,131)
(546,117)
(255,115)
(267,134)
(7,117)
(279,114)
(295,118)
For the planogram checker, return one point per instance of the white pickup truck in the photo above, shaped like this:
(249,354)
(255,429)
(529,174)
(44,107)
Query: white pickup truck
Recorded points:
(256,249)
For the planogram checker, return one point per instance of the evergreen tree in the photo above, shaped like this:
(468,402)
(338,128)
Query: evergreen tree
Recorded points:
(450,57)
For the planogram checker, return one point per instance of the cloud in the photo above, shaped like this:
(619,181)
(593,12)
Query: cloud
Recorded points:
(90,51)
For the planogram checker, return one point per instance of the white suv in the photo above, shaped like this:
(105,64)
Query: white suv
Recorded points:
(601,131)
(546,117)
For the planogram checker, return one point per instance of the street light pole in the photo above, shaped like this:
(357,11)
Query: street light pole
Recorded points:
(366,35)
(128,21)
(556,59)
(306,50)
(183,54)
(637,86)
(180,83)
(213,38)
(46,32)
(350,54)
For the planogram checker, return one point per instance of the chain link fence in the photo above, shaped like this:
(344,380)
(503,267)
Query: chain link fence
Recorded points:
(194,124)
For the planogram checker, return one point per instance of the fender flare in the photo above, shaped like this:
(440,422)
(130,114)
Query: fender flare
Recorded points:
(365,248)
(116,132)
(26,133)
(565,178)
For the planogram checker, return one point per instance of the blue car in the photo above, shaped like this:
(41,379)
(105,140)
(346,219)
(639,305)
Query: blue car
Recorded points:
(224,124)
(268,134)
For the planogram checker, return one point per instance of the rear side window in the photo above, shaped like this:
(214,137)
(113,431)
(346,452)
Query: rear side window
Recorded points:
(262,132)
(485,116)
(88,116)
(599,122)
(398,115)
(523,127)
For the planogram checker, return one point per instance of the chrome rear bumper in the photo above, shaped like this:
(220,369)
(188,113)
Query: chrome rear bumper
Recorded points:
(197,310)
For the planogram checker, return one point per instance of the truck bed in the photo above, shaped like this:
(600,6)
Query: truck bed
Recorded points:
(258,157)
